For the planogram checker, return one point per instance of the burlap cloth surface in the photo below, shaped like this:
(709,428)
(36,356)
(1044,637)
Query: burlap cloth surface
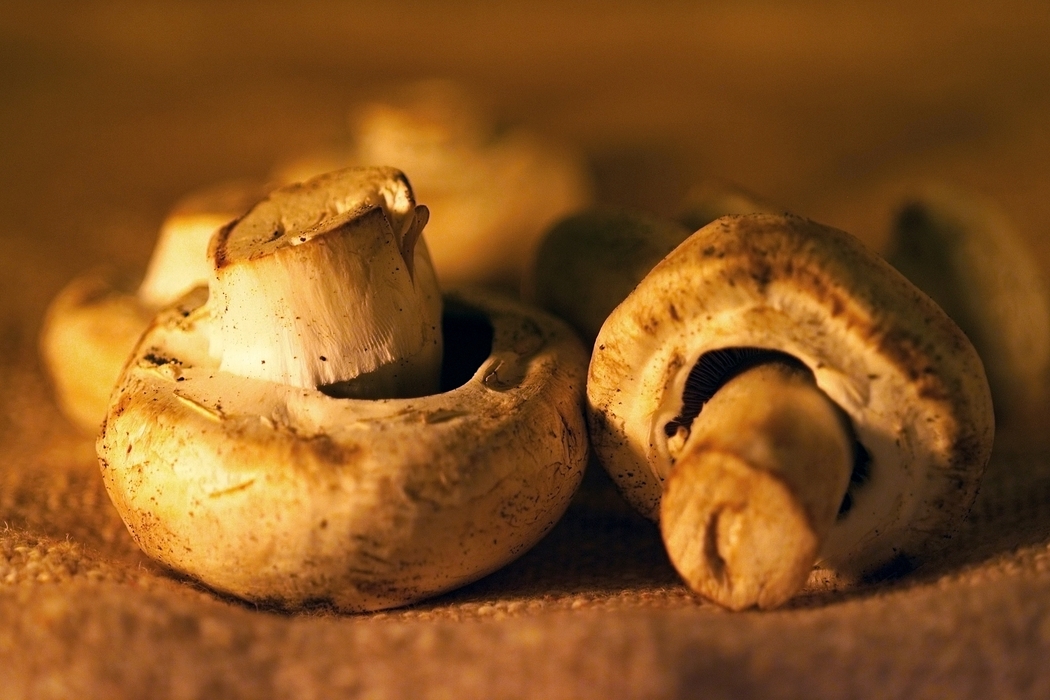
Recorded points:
(110,111)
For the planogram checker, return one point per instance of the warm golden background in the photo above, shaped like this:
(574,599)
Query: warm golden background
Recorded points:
(109,111)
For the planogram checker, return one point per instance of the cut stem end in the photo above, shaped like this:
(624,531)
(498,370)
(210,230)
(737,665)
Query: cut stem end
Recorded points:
(757,487)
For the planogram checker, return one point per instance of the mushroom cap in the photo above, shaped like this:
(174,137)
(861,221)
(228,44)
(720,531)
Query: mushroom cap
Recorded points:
(589,262)
(713,198)
(180,257)
(289,497)
(909,380)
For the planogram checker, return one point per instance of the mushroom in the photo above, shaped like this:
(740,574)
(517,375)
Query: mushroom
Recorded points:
(965,253)
(92,325)
(589,262)
(778,396)
(233,455)
(493,190)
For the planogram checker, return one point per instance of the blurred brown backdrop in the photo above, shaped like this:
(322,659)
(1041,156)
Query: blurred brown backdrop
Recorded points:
(109,111)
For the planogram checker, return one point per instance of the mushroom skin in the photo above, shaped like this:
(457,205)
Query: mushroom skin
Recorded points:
(909,381)
(92,324)
(288,497)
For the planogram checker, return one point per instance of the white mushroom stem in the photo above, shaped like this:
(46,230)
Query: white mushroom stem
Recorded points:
(344,299)
(757,487)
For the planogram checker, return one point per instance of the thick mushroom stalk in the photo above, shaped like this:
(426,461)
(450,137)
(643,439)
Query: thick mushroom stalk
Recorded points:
(757,486)
(328,284)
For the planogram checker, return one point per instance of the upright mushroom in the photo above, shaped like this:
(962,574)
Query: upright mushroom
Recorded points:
(92,325)
(493,190)
(777,396)
(233,455)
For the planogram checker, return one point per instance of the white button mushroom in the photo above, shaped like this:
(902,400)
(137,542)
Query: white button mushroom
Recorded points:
(589,262)
(230,459)
(778,396)
(493,192)
(964,252)
(93,323)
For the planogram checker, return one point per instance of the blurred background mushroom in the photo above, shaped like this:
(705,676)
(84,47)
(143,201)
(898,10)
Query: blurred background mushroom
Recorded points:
(112,110)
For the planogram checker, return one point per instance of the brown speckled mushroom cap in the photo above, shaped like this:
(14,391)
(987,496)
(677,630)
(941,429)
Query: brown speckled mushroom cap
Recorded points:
(911,383)
(286,496)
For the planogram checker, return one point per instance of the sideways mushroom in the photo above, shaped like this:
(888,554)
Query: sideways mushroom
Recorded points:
(493,190)
(92,325)
(966,254)
(778,397)
(294,437)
